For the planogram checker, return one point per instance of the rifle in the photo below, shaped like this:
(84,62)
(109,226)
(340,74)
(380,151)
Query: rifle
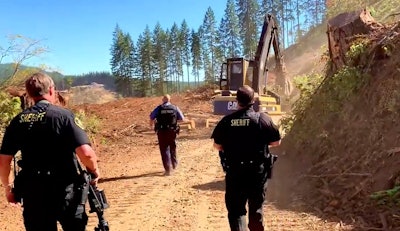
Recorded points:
(98,202)
(97,199)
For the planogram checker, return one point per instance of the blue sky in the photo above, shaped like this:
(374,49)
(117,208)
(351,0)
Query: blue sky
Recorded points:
(78,33)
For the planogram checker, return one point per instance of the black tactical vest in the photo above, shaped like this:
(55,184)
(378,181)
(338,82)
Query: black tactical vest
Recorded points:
(166,117)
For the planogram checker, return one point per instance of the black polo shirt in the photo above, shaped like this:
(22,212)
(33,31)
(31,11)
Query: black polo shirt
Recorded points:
(47,136)
(245,135)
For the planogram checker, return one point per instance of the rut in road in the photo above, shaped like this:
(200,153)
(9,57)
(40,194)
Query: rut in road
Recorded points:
(150,201)
(191,199)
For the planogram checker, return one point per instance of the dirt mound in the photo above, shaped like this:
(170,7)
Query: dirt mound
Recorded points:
(130,116)
(334,160)
(202,93)
(90,94)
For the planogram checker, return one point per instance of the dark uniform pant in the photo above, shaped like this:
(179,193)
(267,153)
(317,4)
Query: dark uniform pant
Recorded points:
(167,144)
(44,205)
(244,187)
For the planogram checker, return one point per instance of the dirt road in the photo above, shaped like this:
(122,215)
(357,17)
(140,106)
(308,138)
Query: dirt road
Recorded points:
(141,198)
(191,199)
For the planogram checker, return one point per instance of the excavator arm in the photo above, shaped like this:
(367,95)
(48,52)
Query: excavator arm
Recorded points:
(269,39)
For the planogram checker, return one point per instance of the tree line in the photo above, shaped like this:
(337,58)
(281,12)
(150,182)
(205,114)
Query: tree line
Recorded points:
(169,60)
(173,59)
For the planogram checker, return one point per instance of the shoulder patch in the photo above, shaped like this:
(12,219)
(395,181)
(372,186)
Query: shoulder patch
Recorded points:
(79,123)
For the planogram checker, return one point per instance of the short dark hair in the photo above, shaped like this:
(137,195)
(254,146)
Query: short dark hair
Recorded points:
(245,96)
(38,84)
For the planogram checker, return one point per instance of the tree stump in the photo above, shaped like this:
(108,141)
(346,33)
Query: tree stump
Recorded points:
(342,31)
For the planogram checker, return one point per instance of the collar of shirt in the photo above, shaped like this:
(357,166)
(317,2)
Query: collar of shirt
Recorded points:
(43,101)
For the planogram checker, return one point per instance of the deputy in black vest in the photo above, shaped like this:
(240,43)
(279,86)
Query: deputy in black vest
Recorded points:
(244,137)
(165,119)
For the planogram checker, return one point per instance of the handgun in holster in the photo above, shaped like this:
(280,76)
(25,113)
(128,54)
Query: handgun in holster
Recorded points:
(177,129)
(269,163)
(19,181)
(223,160)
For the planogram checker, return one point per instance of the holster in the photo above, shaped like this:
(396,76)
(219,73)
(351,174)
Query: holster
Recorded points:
(269,164)
(222,157)
(18,186)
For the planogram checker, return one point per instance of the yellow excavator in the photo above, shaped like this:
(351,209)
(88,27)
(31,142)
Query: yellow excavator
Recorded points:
(236,72)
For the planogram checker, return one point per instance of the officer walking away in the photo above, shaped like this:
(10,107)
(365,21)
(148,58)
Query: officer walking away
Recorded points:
(165,119)
(244,137)
(49,138)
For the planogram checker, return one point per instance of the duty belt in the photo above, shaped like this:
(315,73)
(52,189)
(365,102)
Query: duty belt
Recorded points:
(245,163)
(38,172)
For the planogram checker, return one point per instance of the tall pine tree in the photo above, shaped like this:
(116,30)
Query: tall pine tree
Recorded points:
(122,61)
(248,12)
(229,32)
(209,38)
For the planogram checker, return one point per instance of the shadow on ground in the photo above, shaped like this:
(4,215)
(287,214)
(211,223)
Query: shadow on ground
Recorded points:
(212,186)
(152,174)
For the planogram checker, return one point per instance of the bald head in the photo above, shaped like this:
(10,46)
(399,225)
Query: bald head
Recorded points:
(166,98)
(245,96)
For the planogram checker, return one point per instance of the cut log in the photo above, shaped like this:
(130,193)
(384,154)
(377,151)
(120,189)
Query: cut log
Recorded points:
(191,124)
(211,122)
(342,31)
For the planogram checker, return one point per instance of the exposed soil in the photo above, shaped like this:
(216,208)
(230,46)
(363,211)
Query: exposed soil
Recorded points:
(141,198)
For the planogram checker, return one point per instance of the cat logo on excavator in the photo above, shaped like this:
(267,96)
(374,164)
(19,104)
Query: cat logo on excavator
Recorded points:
(237,72)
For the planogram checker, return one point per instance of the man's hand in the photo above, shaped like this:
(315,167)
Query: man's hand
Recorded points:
(274,144)
(218,147)
(10,196)
(95,174)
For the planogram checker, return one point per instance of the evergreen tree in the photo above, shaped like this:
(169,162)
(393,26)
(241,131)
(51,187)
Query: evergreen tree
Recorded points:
(248,12)
(122,51)
(316,9)
(159,56)
(195,48)
(176,65)
(209,38)
(229,33)
(145,51)
(184,38)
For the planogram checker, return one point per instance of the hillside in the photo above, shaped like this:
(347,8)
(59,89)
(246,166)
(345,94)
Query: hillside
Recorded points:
(307,55)
(343,146)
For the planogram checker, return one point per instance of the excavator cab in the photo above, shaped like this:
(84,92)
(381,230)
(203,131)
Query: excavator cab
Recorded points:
(236,72)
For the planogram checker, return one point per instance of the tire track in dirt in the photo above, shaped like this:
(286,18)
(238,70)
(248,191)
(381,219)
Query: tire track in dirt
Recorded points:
(191,199)
(203,186)
(150,201)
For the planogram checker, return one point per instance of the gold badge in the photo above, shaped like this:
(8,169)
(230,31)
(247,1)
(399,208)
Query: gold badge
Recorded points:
(78,123)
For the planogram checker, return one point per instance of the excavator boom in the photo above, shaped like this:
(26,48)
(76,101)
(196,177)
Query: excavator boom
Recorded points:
(269,38)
